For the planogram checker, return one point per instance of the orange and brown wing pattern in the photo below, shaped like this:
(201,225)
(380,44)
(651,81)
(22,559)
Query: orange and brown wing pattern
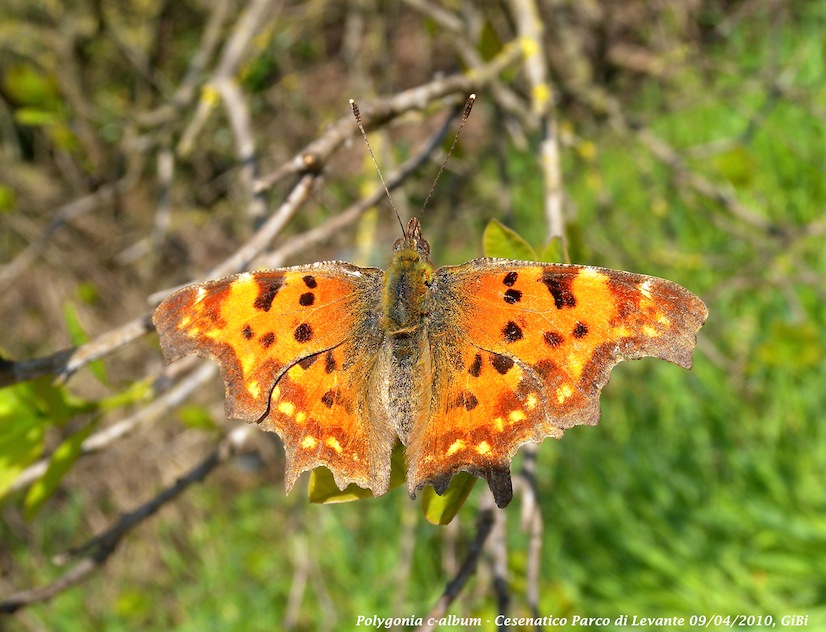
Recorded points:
(320,411)
(282,339)
(522,351)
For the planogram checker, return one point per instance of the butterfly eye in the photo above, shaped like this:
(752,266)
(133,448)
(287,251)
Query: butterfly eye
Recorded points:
(423,247)
(397,245)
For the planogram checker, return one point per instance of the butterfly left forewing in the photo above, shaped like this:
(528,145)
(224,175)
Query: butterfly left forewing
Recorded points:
(522,351)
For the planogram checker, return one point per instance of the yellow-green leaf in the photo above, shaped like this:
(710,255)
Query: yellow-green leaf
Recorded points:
(500,241)
(35,117)
(21,434)
(60,463)
(323,489)
(195,416)
(440,510)
(78,336)
(553,251)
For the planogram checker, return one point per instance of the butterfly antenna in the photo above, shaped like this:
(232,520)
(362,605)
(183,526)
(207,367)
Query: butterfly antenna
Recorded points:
(465,114)
(357,114)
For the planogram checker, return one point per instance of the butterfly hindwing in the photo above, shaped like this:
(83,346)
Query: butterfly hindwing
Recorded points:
(522,351)
(320,410)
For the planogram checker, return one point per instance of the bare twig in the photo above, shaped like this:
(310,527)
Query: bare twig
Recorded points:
(529,26)
(238,112)
(533,524)
(62,216)
(378,112)
(99,549)
(484,525)
(64,363)
(301,572)
(350,214)
(499,562)
(273,227)
(232,55)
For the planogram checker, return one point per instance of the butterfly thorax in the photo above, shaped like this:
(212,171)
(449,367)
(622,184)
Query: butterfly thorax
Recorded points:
(406,284)
(402,396)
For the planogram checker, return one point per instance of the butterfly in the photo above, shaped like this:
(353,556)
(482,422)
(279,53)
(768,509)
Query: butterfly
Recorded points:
(462,364)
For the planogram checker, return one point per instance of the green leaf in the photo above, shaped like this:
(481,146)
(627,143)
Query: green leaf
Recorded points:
(78,336)
(8,199)
(500,241)
(27,410)
(440,510)
(29,86)
(194,416)
(59,465)
(737,165)
(553,251)
(323,489)
(22,429)
(35,117)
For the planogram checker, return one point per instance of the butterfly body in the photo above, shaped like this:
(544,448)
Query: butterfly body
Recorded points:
(463,364)
(404,368)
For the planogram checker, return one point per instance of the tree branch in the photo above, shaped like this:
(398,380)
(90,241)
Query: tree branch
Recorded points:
(97,550)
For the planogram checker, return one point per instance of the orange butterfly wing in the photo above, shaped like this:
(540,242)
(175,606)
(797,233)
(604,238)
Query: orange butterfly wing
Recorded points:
(294,346)
(521,351)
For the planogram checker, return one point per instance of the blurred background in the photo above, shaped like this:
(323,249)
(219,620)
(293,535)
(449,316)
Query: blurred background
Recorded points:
(143,144)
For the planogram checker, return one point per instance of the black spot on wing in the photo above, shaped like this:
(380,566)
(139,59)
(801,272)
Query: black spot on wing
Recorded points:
(560,289)
(513,296)
(303,333)
(510,279)
(512,332)
(331,397)
(475,368)
(553,339)
(329,362)
(267,289)
(501,363)
(466,400)
(307,362)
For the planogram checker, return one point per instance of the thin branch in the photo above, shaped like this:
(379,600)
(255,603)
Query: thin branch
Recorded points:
(100,548)
(336,224)
(499,562)
(530,29)
(232,55)
(377,112)
(301,573)
(10,272)
(484,525)
(65,363)
(533,524)
(238,113)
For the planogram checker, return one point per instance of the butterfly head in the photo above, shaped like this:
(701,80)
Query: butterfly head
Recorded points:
(413,240)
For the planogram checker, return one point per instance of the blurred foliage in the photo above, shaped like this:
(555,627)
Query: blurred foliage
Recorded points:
(698,493)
